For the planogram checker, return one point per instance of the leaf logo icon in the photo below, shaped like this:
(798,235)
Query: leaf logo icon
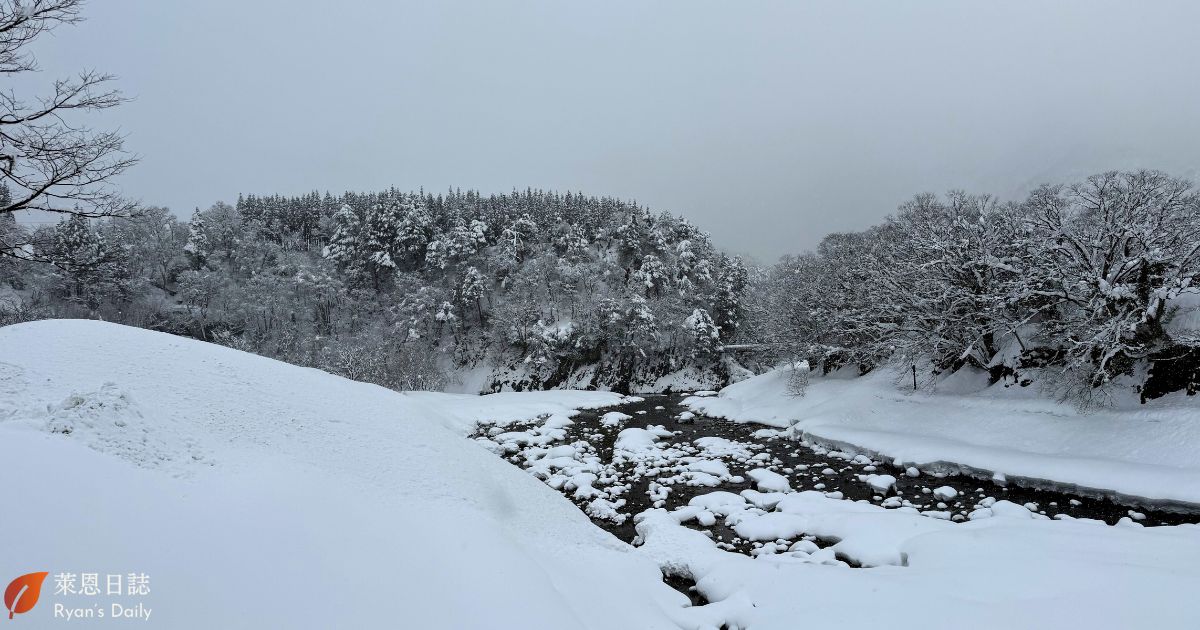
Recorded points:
(22,593)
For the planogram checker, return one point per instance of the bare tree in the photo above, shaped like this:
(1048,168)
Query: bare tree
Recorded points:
(49,162)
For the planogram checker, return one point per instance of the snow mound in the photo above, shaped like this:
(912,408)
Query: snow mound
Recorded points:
(321,489)
(108,420)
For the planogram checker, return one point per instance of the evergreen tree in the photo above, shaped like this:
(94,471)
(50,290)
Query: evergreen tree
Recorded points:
(472,290)
(344,246)
(731,284)
(197,246)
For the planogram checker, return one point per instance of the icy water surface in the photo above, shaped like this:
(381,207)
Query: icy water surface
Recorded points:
(681,458)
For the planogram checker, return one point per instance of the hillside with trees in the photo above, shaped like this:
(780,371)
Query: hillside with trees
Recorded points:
(1083,289)
(411,290)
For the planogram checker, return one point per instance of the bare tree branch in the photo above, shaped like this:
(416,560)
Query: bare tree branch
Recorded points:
(48,161)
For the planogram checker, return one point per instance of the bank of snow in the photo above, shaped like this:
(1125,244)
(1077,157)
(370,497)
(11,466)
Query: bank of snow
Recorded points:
(1148,453)
(1008,569)
(257,494)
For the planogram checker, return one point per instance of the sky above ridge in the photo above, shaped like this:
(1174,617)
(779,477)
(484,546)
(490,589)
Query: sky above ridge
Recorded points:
(768,124)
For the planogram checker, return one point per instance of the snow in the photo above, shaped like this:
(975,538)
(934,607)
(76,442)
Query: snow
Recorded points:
(710,467)
(720,502)
(1146,453)
(1185,320)
(635,442)
(945,493)
(714,446)
(880,483)
(614,418)
(246,487)
(768,481)
(1040,573)
(685,379)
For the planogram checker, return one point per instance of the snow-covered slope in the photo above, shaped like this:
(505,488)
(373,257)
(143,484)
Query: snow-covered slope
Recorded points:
(256,494)
(1149,452)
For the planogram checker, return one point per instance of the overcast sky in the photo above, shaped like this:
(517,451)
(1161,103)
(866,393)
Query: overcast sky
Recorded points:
(769,124)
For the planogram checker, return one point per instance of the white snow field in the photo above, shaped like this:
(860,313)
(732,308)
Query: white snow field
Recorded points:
(1008,570)
(1146,452)
(256,494)
(261,495)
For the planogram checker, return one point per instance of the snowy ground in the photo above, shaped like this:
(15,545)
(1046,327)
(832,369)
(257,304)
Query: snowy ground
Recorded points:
(928,556)
(1007,571)
(1149,452)
(261,495)
(256,494)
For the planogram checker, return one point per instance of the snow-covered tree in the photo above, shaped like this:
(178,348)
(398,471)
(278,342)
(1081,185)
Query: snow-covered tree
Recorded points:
(652,275)
(704,334)
(517,238)
(380,235)
(445,316)
(344,247)
(946,273)
(465,240)
(472,290)
(727,306)
(197,246)
(415,229)
(1115,250)
(437,254)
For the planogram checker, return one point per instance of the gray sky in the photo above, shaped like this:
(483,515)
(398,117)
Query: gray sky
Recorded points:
(769,124)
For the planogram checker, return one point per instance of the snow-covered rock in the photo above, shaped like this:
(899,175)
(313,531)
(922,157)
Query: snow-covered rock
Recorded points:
(1008,509)
(945,493)
(880,483)
(635,441)
(614,418)
(769,481)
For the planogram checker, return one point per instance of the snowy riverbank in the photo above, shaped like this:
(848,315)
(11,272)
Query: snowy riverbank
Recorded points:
(1150,452)
(770,531)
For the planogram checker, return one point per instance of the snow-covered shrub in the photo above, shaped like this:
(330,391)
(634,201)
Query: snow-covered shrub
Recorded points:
(798,379)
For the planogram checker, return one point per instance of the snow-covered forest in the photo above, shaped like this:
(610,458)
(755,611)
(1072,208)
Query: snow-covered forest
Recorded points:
(406,290)
(1079,284)
(1076,287)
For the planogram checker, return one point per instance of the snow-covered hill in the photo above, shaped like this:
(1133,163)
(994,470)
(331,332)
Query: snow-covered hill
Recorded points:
(256,494)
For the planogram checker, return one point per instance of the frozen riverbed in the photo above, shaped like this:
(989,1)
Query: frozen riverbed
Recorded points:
(689,489)
(652,452)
